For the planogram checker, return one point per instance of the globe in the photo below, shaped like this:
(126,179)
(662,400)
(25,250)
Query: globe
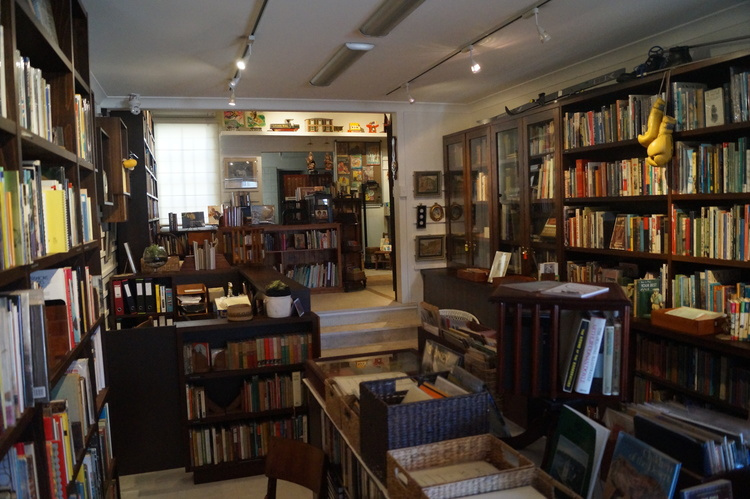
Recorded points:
(155,256)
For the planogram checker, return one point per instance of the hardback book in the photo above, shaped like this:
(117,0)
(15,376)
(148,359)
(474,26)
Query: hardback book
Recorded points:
(574,290)
(590,353)
(715,489)
(646,294)
(639,470)
(693,451)
(714,102)
(573,326)
(617,241)
(576,451)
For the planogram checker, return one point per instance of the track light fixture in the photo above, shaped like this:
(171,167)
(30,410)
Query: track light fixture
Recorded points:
(387,16)
(408,94)
(344,57)
(134,102)
(232,100)
(242,61)
(475,67)
(543,35)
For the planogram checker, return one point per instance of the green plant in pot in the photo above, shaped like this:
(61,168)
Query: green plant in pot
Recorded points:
(155,256)
(278,300)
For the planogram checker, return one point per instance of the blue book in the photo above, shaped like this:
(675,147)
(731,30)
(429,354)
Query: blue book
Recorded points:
(639,470)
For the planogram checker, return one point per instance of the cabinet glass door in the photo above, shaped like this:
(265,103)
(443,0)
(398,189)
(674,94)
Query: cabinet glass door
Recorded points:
(457,244)
(509,195)
(541,182)
(480,215)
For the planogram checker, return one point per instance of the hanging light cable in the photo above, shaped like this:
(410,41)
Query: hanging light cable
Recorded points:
(408,94)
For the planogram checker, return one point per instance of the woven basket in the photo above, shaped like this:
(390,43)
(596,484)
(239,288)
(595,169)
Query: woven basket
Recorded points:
(386,424)
(514,469)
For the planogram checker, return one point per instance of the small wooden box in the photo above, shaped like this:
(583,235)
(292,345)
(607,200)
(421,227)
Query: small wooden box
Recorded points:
(473,274)
(341,409)
(698,327)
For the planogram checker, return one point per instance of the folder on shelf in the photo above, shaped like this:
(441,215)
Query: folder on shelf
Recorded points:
(149,299)
(140,296)
(118,297)
(127,290)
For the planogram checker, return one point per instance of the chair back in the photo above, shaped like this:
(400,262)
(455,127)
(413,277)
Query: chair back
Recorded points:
(297,462)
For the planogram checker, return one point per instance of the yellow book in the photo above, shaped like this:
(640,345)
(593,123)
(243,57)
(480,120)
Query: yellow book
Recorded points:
(55,228)
(157,297)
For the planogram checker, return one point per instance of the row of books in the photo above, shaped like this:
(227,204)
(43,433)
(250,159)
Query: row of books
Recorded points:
(708,289)
(141,295)
(85,130)
(34,98)
(712,168)
(258,393)
(698,370)
(235,442)
(205,254)
(621,120)
(18,471)
(696,106)
(542,139)
(543,178)
(590,347)
(626,177)
(721,232)
(599,228)
(247,354)
(311,239)
(315,275)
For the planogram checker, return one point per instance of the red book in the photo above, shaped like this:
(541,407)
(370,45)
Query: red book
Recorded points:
(580,181)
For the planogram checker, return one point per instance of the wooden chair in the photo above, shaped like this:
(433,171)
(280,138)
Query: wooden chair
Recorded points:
(297,462)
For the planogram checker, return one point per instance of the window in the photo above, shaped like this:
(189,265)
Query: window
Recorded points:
(188,171)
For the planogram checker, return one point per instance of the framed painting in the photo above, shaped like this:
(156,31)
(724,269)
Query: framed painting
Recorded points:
(427,183)
(240,173)
(430,247)
(373,153)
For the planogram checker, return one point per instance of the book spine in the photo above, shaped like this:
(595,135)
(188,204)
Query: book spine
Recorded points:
(590,353)
(575,358)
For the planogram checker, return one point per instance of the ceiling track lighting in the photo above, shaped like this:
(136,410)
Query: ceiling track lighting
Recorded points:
(344,57)
(411,99)
(387,16)
(543,35)
(243,61)
(475,67)
(134,102)
(232,98)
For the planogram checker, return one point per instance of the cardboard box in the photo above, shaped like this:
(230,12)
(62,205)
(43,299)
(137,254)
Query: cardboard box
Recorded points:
(689,320)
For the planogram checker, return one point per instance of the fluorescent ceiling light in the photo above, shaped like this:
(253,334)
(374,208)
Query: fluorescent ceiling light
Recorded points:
(387,17)
(341,60)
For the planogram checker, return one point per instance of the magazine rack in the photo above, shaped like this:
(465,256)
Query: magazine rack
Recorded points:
(529,346)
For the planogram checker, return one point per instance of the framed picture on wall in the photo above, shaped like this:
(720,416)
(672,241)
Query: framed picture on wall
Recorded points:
(240,173)
(427,183)
(373,153)
(430,247)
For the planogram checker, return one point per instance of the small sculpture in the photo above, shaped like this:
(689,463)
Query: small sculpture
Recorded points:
(310,163)
(328,161)
(372,127)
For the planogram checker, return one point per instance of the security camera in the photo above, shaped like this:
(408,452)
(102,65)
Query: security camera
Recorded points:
(134,101)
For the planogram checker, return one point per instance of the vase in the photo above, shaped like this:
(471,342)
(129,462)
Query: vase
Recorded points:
(278,306)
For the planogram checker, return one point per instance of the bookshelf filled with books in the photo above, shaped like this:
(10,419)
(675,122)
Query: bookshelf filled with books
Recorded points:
(309,254)
(242,383)
(51,294)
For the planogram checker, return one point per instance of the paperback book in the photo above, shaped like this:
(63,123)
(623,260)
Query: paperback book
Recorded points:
(639,470)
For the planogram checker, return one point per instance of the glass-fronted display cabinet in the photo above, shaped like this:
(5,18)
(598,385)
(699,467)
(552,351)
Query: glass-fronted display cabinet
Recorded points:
(524,149)
(469,198)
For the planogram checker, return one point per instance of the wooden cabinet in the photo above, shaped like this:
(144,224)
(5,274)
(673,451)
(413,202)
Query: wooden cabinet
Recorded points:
(525,150)
(309,254)
(469,180)
(50,237)
(113,149)
(242,383)
(144,198)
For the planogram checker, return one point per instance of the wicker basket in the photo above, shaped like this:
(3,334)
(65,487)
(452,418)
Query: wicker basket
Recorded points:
(385,424)
(515,470)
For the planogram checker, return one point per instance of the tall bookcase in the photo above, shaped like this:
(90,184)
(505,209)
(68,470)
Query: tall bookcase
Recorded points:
(46,132)
(144,191)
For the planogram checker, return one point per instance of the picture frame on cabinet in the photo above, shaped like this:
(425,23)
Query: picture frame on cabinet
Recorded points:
(427,183)
(430,247)
(241,173)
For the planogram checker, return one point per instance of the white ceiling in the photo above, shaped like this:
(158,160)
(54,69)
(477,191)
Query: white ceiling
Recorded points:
(186,48)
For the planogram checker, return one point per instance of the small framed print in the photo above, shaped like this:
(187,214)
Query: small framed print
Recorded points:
(240,173)
(430,247)
(427,183)
(436,212)
(373,153)
(298,307)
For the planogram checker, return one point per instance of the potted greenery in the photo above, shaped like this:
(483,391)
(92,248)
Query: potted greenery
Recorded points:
(155,256)
(278,300)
